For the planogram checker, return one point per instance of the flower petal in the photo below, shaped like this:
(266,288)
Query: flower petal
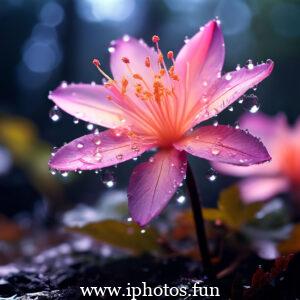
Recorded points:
(136,51)
(224,144)
(198,64)
(153,183)
(229,88)
(260,189)
(269,129)
(204,53)
(89,103)
(95,151)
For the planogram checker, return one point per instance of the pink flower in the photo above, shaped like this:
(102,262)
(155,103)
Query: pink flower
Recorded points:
(147,105)
(282,173)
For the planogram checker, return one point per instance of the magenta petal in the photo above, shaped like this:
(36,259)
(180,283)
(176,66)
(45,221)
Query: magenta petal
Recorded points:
(262,188)
(95,151)
(229,88)
(153,183)
(89,103)
(224,144)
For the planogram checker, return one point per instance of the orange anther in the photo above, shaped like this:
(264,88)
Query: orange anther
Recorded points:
(137,76)
(124,85)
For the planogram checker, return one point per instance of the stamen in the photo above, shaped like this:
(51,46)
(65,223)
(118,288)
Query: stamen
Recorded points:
(155,39)
(137,76)
(96,62)
(124,85)
(170,54)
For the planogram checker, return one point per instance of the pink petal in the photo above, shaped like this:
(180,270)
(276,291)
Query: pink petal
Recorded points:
(136,51)
(153,183)
(229,88)
(269,129)
(204,53)
(95,151)
(89,103)
(199,62)
(264,126)
(260,189)
(224,144)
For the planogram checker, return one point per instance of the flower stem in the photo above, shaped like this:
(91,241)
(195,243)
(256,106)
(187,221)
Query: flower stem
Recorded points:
(199,223)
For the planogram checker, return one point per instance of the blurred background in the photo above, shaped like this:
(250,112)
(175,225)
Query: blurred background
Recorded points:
(46,42)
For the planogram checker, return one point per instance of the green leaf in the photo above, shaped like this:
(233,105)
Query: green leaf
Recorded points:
(121,234)
(231,210)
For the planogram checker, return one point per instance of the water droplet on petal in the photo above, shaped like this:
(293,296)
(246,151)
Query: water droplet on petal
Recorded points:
(97,142)
(215,151)
(230,108)
(250,65)
(129,219)
(180,199)
(238,67)
(96,131)
(143,231)
(228,76)
(55,114)
(151,159)
(90,126)
(79,146)
(251,104)
(126,38)
(211,175)
(119,156)
(53,172)
(215,122)
(204,83)
(108,179)
(111,49)
(236,125)
(75,121)
(98,156)
(64,84)
(64,174)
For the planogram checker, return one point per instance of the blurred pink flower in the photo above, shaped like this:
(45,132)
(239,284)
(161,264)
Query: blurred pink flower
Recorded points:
(283,172)
(147,105)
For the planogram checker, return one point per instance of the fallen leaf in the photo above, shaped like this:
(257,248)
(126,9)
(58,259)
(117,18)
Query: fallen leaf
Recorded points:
(121,234)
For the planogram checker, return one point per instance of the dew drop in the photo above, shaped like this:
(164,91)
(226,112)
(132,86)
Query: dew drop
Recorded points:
(98,142)
(98,156)
(230,108)
(238,67)
(215,122)
(126,38)
(236,125)
(251,104)
(211,175)
(143,231)
(215,151)
(75,121)
(96,131)
(111,49)
(64,174)
(64,84)
(53,172)
(250,65)
(55,114)
(204,83)
(54,150)
(186,39)
(151,159)
(119,156)
(129,219)
(90,126)
(135,159)
(79,146)
(228,76)
(108,179)
(181,199)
